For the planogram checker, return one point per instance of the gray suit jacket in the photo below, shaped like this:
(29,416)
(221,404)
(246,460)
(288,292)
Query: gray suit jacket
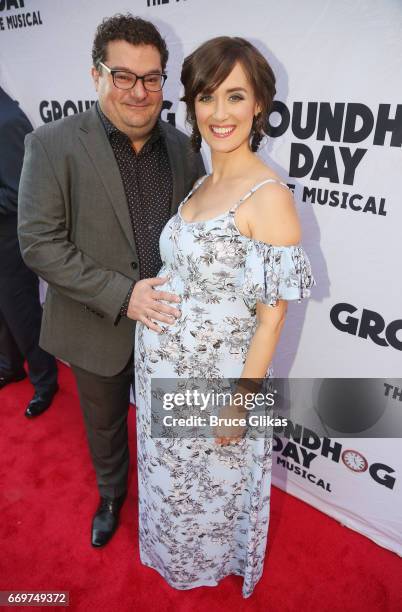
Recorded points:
(75,232)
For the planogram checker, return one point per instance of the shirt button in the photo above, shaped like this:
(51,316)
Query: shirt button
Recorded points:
(134,265)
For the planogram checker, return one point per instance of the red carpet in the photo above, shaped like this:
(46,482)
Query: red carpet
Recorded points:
(48,496)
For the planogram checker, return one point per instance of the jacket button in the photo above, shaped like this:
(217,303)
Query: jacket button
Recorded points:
(134,265)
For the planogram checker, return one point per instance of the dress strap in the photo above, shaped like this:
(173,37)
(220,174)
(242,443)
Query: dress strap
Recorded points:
(197,184)
(253,189)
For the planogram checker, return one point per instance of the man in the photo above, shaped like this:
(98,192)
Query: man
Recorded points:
(20,309)
(96,191)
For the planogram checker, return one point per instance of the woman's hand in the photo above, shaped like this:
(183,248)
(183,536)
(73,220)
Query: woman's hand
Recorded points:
(232,429)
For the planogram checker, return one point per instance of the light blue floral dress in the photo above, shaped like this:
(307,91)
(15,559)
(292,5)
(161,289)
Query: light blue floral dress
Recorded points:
(204,508)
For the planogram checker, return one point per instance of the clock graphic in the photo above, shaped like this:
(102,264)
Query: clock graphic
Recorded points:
(354,460)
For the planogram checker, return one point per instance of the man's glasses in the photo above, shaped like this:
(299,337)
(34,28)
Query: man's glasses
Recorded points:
(122,79)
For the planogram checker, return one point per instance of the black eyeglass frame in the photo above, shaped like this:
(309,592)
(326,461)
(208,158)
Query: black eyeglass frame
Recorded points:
(113,71)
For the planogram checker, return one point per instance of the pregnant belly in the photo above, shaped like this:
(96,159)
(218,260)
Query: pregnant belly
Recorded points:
(209,339)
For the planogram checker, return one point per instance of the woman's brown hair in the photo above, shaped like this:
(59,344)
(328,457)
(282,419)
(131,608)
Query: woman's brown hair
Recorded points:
(211,63)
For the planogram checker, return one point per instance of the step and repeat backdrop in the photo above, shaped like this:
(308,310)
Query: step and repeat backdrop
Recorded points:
(336,139)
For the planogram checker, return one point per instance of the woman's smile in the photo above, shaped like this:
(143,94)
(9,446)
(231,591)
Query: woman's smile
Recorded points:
(222,131)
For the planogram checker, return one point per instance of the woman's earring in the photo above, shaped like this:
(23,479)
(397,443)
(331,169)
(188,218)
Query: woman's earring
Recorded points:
(257,132)
(195,139)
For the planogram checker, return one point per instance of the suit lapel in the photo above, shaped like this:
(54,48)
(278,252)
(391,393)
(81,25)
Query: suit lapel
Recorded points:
(175,155)
(95,141)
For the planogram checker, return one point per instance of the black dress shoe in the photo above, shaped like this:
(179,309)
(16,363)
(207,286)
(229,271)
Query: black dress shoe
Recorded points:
(106,519)
(40,402)
(5,380)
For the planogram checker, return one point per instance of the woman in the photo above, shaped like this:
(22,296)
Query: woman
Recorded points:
(232,253)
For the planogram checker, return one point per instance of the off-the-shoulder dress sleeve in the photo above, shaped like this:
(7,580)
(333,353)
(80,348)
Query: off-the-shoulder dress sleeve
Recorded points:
(275,273)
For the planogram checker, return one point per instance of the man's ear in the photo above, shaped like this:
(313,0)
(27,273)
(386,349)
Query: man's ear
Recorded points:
(95,77)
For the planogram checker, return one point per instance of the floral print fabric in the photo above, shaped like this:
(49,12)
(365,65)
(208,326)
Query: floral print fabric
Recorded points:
(274,272)
(203,508)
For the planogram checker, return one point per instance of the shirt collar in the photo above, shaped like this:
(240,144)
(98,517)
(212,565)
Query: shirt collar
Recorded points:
(111,129)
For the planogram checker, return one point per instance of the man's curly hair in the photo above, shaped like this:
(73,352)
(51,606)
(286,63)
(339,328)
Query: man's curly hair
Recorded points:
(133,30)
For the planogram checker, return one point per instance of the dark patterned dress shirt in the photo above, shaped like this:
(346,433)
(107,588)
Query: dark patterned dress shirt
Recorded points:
(148,185)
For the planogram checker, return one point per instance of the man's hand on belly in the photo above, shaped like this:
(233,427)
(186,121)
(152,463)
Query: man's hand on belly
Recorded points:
(146,304)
